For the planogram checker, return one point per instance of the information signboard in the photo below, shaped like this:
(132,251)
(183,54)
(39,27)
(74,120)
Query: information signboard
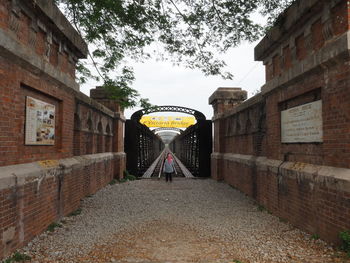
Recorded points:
(40,122)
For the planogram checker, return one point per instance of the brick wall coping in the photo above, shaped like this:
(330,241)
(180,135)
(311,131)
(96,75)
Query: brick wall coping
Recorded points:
(332,177)
(21,174)
(292,19)
(258,98)
(61,24)
(28,59)
(98,106)
(335,50)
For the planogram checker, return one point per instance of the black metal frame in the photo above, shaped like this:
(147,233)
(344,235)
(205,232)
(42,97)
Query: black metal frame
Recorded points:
(142,147)
(168,108)
(194,147)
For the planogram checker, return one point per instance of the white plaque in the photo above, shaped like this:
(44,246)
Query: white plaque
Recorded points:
(302,124)
(40,122)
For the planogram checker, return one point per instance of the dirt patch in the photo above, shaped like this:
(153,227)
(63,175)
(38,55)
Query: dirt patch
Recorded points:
(162,241)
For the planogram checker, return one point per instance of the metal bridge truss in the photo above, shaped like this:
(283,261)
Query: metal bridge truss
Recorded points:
(197,114)
(194,146)
(142,147)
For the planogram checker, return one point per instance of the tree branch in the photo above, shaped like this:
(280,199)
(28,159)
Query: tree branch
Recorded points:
(218,13)
(190,26)
(80,33)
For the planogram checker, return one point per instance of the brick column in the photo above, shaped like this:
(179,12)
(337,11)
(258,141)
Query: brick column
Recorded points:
(222,100)
(100,95)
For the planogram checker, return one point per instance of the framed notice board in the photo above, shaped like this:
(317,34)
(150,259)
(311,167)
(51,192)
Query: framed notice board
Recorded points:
(39,123)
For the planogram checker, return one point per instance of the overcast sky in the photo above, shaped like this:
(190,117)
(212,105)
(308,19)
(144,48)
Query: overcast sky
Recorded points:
(165,84)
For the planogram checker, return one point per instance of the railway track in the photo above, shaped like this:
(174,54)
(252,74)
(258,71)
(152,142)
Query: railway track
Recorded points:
(156,169)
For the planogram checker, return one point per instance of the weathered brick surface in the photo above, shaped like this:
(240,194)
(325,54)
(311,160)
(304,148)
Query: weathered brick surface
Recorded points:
(317,35)
(15,85)
(82,126)
(307,59)
(313,202)
(35,201)
(38,59)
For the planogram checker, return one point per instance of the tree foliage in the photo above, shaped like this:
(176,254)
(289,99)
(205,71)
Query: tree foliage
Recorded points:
(187,32)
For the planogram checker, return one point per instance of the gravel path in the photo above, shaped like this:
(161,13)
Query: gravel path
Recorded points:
(184,221)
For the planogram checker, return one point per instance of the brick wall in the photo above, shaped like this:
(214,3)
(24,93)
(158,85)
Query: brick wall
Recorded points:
(34,195)
(41,183)
(37,61)
(15,84)
(93,131)
(311,197)
(307,60)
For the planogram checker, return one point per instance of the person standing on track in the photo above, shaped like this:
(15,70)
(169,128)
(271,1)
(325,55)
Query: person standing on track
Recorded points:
(168,168)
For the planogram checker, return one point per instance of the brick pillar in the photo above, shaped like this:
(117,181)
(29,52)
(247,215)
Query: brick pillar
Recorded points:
(100,95)
(222,100)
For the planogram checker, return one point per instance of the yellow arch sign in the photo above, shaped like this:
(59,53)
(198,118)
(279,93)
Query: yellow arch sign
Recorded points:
(167,122)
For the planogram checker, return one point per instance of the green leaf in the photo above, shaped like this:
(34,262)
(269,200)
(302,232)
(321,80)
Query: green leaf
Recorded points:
(185,32)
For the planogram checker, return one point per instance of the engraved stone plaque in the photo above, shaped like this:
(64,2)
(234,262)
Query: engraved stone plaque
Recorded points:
(302,124)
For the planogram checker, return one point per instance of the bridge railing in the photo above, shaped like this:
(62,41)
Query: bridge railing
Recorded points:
(194,146)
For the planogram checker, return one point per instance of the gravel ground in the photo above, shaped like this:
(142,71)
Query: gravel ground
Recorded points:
(184,221)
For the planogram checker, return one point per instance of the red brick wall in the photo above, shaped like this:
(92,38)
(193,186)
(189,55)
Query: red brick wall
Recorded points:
(4,6)
(335,94)
(304,183)
(93,131)
(276,62)
(318,208)
(330,83)
(340,23)
(28,209)
(18,80)
(300,47)
(15,84)
(317,35)
(20,27)
(244,132)
(287,58)
(340,17)
(269,72)
(46,71)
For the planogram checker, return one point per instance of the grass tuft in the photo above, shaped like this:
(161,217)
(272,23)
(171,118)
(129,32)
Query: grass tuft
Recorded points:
(17,257)
(53,226)
(261,208)
(127,177)
(345,238)
(114,181)
(76,212)
(315,236)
